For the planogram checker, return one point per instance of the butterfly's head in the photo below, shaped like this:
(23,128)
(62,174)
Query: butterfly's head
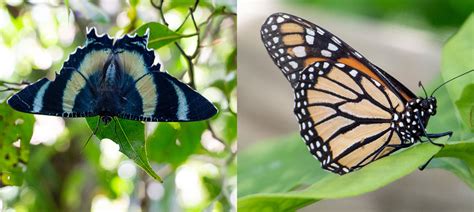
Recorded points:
(429,105)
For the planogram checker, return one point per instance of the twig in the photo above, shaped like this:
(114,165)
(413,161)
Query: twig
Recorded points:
(214,135)
(12,86)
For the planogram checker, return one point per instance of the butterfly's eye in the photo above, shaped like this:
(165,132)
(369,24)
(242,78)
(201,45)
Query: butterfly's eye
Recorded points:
(425,104)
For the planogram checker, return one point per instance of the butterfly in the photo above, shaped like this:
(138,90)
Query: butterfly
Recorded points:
(109,79)
(350,111)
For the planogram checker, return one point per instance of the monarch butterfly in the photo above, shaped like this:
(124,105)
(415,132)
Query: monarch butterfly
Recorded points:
(350,111)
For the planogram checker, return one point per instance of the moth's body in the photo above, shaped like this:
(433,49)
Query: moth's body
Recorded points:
(110,78)
(110,102)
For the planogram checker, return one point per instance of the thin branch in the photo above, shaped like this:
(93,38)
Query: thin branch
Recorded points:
(12,86)
(198,42)
(160,9)
(214,135)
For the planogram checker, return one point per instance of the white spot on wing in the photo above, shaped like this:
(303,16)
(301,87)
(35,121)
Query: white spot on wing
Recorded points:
(326,53)
(336,40)
(299,51)
(332,47)
(353,73)
(320,31)
(309,39)
(293,64)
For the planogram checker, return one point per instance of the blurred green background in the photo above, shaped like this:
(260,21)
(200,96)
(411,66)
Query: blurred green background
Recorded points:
(51,171)
(434,14)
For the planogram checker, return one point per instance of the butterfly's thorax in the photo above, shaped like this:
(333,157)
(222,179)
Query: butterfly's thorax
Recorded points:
(110,79)
(417,111)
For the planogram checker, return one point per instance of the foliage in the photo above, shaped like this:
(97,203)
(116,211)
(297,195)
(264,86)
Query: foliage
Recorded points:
(17,129)
(195,160)
(284,181)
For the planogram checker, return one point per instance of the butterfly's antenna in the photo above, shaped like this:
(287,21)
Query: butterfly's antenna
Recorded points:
(421,85)
(93,133)
(467,72)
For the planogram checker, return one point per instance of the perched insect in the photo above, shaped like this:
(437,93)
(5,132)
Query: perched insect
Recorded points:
(349,110)
(109,79)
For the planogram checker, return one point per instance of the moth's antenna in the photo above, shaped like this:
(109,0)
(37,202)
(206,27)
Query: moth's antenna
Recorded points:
(93,133)
(467,72)
(421,85)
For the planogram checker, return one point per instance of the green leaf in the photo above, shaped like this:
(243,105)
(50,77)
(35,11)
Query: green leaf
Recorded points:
(130,136)
(465,105)
(276,166)
(457,167)
(15,126)
(134,3)
(463,151)
(174,142)
(291,162)
(231,63)
(458,57)
(160,35)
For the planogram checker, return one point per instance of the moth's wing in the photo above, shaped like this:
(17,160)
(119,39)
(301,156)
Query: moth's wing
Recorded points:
(150,95)
(73,93)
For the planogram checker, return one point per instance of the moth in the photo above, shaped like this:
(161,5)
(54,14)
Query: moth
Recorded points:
(114,78)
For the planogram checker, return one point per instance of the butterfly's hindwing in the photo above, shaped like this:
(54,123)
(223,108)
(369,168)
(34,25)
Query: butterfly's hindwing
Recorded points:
(345,117)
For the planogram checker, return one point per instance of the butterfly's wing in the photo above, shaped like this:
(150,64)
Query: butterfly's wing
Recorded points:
(152,95)
(294,44)
(346,117)
(73,92)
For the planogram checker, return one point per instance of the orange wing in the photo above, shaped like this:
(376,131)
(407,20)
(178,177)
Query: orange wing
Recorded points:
(294,43)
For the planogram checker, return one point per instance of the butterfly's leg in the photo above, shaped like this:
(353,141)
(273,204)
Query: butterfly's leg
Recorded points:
(421,168)
(432,135)
(429,136)
(439,135)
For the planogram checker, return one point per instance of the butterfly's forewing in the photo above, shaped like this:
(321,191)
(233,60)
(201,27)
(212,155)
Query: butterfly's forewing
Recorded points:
(345,105)
(294,44)
(74,90)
